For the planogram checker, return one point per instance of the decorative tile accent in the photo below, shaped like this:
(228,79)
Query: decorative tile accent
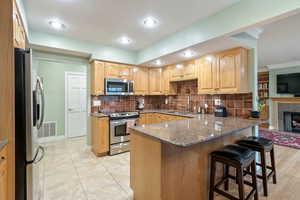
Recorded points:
(186,100)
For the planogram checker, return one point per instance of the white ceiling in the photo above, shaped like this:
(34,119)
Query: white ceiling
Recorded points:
(212,46)
(105,21)
(280,42)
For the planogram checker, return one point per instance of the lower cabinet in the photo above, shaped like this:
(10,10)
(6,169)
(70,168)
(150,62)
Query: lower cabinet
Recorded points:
(155,118)
(3,174)
(100,135)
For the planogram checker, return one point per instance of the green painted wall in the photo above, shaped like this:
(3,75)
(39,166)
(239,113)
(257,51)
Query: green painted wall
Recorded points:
(273,82)
(97,51)
(51,68)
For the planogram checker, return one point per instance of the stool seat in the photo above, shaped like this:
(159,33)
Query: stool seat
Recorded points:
(257,142)
(239,158)
(235,153)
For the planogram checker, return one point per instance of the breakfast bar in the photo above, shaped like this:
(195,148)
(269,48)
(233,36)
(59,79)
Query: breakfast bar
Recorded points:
(170,160)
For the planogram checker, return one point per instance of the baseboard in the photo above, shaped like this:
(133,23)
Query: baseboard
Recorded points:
(51,139)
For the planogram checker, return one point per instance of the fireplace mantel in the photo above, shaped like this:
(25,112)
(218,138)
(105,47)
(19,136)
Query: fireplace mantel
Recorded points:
(274,114)
(286,99)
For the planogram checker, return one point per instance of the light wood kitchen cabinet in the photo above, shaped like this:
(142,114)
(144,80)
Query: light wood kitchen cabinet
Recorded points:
(168,87)
(140,77)
(3,174)
(154,118)
(184,71)
(233,71)
(155,79)
(207,74)
(100,135)
(19,31)
(143,119)
(97,77)
(224,73)
(120,71)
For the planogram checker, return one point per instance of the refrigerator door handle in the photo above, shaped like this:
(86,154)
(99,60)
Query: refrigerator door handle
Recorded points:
(40,90)
(36,159)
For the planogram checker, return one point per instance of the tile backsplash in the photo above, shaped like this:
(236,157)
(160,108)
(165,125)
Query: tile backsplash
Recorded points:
(186,99)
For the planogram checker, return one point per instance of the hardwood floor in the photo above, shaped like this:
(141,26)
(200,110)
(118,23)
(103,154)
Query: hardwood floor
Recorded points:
(288,177)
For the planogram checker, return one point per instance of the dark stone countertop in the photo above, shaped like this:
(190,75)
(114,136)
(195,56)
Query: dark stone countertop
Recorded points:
(195,129)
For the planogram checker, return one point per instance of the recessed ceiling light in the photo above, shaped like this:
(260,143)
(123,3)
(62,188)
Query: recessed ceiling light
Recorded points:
(208,58)
(158,62)
(150,22)
(179,66)
(188,53)
(125,40)
(56,24)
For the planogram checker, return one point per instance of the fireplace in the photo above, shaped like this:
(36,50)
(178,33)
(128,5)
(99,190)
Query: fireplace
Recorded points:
(292,122)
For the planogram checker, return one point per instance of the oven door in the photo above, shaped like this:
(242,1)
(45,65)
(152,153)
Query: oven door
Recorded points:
(117,86)
(118,131)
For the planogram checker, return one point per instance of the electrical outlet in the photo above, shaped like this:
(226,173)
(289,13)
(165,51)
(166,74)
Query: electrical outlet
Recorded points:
(217,102)
(97,103)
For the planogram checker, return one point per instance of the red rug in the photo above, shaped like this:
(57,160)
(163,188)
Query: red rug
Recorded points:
(283,139)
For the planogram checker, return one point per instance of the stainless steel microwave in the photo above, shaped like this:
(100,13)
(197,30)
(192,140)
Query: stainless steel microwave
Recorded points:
(115,86)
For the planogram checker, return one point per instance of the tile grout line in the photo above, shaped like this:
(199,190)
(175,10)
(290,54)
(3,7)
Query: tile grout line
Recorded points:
(81,184)
(116,181)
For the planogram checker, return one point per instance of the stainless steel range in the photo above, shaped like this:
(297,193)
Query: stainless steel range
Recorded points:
(119,133)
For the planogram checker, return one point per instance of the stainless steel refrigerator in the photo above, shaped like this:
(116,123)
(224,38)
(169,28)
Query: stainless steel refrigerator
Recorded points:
(29,112)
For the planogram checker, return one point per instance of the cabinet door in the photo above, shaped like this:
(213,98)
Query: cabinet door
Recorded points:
(155,75)
(143,119)
(3,175)
(167,86)
(97,78)
(228,67)
(140,78)
(190,70)
(177,72)
(112,70)
(100,135)
(125,71)
(207,75)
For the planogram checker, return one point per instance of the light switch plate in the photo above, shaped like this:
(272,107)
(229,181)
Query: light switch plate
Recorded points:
(217,102)
(96,103)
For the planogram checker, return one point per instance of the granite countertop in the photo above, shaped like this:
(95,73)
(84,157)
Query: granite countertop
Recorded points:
(3,143)
(190,131)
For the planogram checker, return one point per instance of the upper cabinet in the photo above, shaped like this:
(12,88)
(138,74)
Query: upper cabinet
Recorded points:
(224,73)
(155,81)
(140,77)
(207,74)
(220,73)
(19,31)
(114,70)
(184,71)
(168,88)
(97,77)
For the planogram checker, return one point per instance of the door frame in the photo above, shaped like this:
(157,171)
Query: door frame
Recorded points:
(66,99)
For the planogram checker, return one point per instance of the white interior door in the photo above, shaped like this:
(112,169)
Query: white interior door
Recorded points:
(76,104)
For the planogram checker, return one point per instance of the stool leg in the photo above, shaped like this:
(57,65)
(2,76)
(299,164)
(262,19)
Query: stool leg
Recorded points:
(273,165)
(226,173)
(254,181)
(241,183)
(264,172)
(212,179)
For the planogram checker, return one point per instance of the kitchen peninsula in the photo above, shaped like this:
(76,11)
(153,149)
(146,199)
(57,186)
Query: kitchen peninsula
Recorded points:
(170,160)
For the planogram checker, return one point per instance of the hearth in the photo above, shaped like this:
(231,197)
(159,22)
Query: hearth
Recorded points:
(292,122)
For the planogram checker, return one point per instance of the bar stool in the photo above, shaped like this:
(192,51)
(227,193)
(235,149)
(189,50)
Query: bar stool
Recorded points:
(240,158)
(263,146)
